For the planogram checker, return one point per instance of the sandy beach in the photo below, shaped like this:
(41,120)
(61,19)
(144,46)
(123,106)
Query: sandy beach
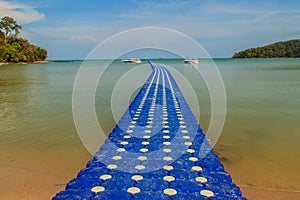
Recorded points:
(268,194)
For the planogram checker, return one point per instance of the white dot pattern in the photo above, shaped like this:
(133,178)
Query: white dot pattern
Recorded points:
(159,119)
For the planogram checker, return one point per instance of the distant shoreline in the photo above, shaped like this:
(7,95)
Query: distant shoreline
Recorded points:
(23,63)
(143,59)
(283,49)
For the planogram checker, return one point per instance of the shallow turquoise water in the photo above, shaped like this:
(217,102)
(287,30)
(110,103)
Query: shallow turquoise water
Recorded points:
(259,145)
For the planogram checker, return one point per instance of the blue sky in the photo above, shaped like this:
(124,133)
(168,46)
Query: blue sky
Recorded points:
(71,29)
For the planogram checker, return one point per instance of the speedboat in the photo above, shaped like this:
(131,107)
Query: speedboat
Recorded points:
(132,60)
(191,61)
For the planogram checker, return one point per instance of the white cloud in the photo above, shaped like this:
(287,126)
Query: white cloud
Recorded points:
(82,33)
(222,28)
(211,20)
(23,14)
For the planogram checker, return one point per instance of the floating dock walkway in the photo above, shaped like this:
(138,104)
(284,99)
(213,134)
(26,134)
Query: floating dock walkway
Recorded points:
(156,151)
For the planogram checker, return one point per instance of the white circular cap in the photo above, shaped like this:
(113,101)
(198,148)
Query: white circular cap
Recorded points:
(167,143)
(117,157)
(197,168)
(207,193)
(133,190)
(142,158)
(98,189)
(201,179)
(124,142)
(168,167)
(137,177)
(169,178)
(190,150)
(144,150)
(105,177)
(186,137)
(194,159)
(167,150)
(145,143)
(139,167)
(170,192)
(168,158)
(111,167)
(121,150)
(188,143)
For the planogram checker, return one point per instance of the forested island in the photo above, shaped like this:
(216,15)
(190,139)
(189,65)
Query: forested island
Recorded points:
(286,49)
(14,49)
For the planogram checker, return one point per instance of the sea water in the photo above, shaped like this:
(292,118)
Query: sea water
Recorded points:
(40,147)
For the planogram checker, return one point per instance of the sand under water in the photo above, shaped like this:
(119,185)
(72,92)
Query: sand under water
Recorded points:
(40,150)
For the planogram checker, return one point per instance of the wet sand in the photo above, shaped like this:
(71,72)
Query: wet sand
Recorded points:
(25,184)
(268,194)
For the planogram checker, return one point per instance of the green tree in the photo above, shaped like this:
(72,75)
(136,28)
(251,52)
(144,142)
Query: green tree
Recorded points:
(9,27)
(10,52)
(15,49)
(290,49)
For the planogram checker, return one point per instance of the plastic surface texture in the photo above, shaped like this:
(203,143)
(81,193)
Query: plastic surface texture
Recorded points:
(153,153)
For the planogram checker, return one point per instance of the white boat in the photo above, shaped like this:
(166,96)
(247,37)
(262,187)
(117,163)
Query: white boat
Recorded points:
(132,60)
(191,61)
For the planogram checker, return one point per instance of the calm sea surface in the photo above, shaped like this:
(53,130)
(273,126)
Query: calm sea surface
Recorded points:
(259,145)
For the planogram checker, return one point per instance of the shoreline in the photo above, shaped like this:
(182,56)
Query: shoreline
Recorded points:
(24,63)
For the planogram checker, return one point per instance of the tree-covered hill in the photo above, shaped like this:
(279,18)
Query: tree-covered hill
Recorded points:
(287,49)
(15,49)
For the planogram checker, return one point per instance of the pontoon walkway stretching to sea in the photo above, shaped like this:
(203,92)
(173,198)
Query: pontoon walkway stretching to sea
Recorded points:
(156,151)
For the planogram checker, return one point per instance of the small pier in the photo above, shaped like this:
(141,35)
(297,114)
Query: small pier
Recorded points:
(156,151)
